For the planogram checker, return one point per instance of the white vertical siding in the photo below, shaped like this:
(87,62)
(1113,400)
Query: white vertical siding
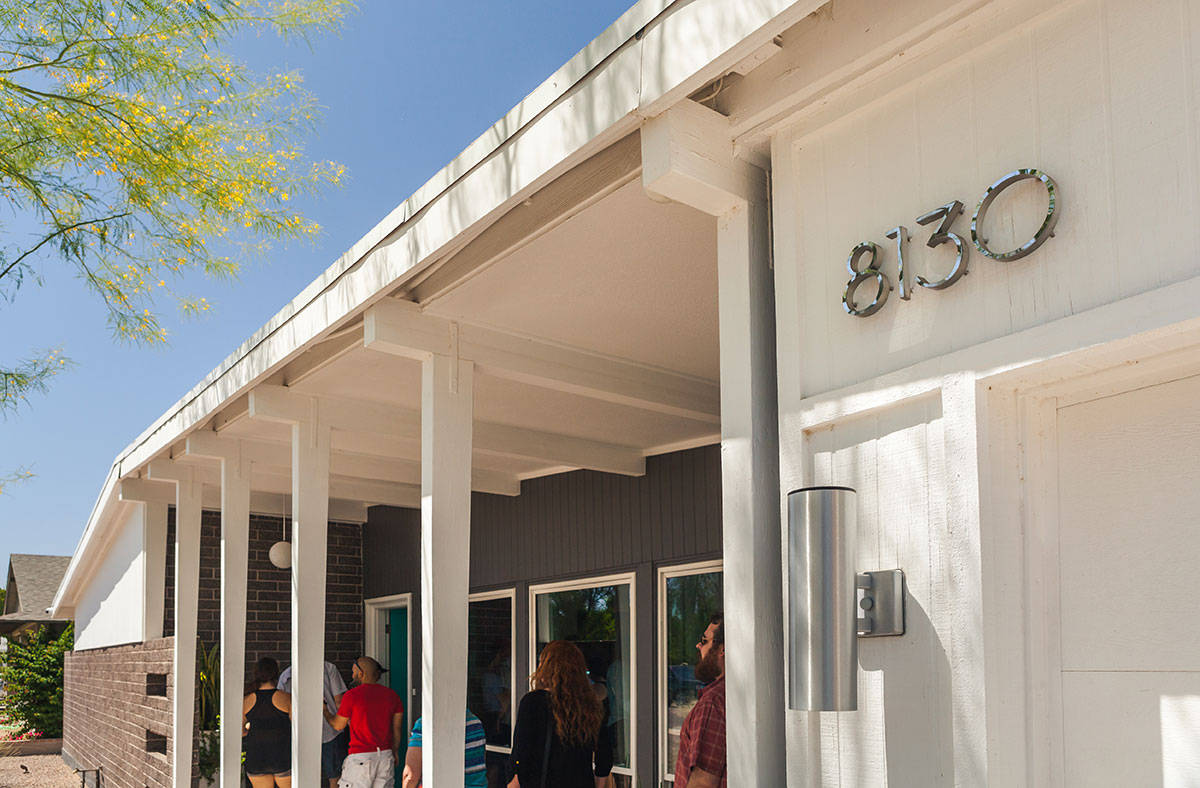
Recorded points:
(1101,95)
(109,609)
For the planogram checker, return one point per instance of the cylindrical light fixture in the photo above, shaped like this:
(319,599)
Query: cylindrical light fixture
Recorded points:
(822,546)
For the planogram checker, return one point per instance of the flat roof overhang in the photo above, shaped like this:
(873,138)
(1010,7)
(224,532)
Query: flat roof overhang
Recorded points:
(656,54)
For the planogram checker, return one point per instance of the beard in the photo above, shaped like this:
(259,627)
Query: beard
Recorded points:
(708,669)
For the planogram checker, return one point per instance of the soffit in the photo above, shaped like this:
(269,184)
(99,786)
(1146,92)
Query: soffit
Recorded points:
(627,277)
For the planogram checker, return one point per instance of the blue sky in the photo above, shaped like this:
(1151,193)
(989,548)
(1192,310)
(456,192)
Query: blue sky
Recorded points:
(405,87)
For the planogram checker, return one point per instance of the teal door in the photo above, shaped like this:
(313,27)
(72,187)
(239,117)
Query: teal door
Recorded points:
(398,667)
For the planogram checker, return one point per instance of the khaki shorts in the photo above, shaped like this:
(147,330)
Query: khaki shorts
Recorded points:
(368,770)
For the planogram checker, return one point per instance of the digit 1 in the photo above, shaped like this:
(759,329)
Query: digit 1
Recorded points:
(900,234)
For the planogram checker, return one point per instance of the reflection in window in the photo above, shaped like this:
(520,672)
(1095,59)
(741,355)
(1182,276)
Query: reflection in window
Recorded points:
(598,621)
(690,602)
(489,667)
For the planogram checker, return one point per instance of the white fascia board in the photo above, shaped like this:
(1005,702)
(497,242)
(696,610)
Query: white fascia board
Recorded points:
(655,53)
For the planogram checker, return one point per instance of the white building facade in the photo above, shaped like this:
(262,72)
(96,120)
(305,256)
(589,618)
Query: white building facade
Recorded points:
(940,251)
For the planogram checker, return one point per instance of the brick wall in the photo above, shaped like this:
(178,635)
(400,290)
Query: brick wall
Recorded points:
(269,595)
(106,709)
(107,712)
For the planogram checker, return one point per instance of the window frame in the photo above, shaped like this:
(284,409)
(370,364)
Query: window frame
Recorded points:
(511,595)
(621,578)
(667,770)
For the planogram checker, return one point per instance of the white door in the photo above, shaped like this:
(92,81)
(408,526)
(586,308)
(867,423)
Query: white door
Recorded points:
(1129,588)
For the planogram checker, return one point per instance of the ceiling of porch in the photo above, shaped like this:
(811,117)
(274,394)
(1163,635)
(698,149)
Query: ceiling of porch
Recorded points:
(624,280)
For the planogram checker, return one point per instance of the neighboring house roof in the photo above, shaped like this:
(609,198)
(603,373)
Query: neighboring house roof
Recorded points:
(32,583)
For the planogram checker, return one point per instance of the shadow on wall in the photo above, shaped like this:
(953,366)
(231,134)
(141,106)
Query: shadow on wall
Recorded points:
(912,677)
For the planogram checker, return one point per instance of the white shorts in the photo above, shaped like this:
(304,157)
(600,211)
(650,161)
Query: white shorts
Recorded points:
(368,770)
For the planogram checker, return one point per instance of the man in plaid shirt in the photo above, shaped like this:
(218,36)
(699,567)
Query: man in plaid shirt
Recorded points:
(701,762)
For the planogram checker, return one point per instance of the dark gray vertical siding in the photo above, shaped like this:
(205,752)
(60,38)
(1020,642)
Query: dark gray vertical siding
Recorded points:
(570,525)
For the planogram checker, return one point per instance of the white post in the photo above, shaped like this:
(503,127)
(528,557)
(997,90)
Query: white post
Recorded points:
(235,549)
(187,600)
(154,545)
(446,415)
(310,532)
(687,156)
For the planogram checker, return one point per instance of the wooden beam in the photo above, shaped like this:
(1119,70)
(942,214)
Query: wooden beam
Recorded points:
(147,491)
(402,328)
(496,439)
(688,154)
(272,457)
(321,356)
(564,197)
(232,413)
(278,481)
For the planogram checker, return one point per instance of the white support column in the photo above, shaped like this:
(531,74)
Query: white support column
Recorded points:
(235,548)
(446,416)
(187,600)
(687,155)
(310,531)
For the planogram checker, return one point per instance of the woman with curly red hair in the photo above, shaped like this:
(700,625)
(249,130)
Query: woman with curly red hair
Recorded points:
(560,740)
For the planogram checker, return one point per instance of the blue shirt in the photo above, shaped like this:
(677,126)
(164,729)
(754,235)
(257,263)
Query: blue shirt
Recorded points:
(476,765)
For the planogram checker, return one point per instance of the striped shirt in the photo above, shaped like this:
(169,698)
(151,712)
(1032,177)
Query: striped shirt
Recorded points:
(476,765)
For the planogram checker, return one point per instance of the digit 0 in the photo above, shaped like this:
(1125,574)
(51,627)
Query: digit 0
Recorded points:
(1044,233)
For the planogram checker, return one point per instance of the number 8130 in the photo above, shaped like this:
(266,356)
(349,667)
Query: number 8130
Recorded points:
(863,262)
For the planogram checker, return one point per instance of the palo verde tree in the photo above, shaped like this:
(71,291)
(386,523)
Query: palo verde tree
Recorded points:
(138,150)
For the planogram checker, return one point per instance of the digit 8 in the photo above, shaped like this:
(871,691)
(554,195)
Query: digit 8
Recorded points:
(857,277)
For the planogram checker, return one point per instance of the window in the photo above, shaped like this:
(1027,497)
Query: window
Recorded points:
(489,665)
(687,598)
(597,615)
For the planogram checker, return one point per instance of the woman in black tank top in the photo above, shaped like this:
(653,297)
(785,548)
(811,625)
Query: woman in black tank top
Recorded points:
(267,728)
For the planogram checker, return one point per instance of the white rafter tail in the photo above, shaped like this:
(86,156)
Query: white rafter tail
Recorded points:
(279,404)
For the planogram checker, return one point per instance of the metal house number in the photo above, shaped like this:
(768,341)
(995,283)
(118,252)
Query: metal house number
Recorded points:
(863,262)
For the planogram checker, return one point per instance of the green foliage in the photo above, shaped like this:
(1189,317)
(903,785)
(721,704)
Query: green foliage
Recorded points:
(208,757)
(32,671)
(208,684)
(27,377)
(208,690)
(134,150)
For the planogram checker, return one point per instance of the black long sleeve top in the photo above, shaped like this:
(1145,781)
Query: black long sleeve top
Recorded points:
(570,766)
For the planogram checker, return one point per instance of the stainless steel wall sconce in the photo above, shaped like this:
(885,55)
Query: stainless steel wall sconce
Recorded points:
(824,602)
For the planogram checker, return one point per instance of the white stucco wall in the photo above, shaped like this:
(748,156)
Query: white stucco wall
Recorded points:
(109,609)
(1102,96)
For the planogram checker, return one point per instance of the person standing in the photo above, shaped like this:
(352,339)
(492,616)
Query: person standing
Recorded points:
(475,762)
(701,762)
(560,739)
(375,715)
(267,728)
(335,745)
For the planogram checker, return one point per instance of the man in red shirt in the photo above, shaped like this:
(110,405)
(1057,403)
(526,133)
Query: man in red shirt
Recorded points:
(701,762)
(374,713)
